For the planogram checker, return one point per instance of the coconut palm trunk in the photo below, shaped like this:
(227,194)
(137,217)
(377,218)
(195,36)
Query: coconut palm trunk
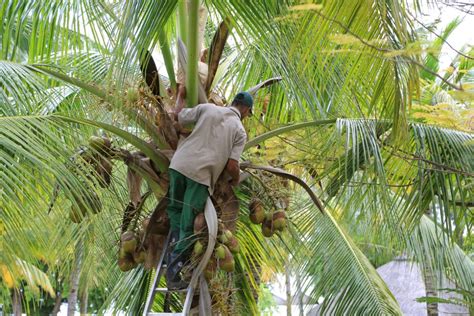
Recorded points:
(430,290)
(83,300)
(16,301)
(74,280)
(57,304)
(289,298)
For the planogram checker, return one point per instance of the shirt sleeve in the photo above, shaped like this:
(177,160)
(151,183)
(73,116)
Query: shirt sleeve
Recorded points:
(238,146)
(190,115)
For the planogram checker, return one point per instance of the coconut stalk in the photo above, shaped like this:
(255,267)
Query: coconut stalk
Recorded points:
(193,54)
(167,58)
(182,20)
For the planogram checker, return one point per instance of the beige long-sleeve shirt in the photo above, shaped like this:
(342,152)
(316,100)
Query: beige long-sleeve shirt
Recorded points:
(217,136)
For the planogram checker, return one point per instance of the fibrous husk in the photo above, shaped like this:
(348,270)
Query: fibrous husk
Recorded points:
(154,246)
(162,224)
(200,224)
(279,220)
(134,182)
(128,241)
(257,212)
(145,223)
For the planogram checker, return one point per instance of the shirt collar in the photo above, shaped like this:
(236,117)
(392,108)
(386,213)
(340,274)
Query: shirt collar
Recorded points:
(236,111)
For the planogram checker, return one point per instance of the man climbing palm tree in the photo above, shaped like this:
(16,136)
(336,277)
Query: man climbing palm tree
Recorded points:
(215,144)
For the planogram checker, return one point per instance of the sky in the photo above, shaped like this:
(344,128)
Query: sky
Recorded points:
(461,36)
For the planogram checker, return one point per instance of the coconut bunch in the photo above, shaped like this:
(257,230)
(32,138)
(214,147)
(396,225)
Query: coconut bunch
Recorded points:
(270,221)
(130,255)
(143,247)
(224,251)
(96,156)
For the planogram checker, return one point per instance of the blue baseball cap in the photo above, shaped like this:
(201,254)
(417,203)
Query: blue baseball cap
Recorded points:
(244,98)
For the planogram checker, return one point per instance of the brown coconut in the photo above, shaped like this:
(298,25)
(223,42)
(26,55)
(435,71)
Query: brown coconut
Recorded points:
(145,223)
(128,241)
(100,144)
(233,245)
(279,220)
(210,269)
(257,212)
(162,224)
(126,263)
(139,256)
(200,224)
(267,227)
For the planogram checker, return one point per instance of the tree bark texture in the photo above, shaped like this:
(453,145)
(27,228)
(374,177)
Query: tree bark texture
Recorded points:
(431,308)
(16,301)
(74,280)
(288,287)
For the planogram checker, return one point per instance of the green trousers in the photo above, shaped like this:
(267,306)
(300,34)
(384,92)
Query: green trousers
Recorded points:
(186,199)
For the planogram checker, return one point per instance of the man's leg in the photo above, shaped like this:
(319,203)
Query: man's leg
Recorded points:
(176,191)
(194,202)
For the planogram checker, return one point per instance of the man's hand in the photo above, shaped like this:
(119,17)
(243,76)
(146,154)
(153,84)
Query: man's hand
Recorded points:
(233,169)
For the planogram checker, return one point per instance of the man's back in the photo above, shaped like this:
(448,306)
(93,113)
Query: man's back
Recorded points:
(217,136)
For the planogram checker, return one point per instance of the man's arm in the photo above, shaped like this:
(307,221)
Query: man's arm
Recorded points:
(233,169)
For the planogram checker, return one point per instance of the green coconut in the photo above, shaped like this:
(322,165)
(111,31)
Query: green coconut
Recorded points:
(128,241)
(279,220)
(220,251)
(257,212)
(227,264)
(233,245)
(200,224)
(198,248)
(223,238)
